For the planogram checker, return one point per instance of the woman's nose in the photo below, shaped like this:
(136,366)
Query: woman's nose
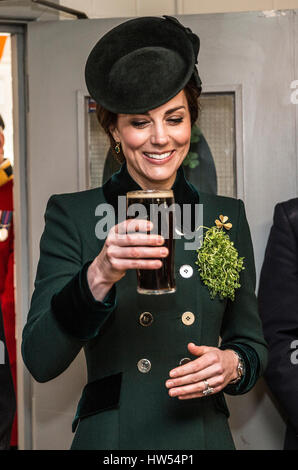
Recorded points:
(159,135)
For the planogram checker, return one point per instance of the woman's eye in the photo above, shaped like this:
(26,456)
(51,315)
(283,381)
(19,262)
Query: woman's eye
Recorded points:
(175,120)
(139,123)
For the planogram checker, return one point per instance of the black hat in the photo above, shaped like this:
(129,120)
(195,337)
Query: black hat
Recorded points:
(141,64)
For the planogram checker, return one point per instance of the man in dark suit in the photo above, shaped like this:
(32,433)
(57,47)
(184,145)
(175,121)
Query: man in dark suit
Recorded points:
(278,305)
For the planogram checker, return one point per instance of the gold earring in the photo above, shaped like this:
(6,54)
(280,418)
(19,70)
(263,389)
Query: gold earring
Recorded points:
(117,147)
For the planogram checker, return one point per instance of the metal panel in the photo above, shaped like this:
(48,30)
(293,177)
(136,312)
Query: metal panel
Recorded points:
(22,11)
(24,391)
(12,29)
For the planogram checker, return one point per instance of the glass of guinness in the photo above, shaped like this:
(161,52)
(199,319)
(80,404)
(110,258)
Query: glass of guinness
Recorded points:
(158,207)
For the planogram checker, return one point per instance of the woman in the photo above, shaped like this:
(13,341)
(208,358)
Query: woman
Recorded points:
(156,375)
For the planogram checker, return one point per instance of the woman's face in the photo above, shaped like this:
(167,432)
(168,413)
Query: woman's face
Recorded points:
(155,143)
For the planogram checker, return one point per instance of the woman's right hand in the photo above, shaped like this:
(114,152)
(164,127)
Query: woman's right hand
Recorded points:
(127,246)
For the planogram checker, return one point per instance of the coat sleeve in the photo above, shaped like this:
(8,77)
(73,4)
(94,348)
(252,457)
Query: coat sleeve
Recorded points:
(242,329)
(278,303)
(63,314)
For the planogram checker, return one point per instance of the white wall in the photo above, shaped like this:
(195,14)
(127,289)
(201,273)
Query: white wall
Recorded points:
(128,8)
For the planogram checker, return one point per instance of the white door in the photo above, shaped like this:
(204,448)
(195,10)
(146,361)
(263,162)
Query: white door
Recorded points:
(247,54)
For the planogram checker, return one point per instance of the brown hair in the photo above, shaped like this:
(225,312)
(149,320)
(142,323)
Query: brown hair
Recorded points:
(107,118)
(2,125)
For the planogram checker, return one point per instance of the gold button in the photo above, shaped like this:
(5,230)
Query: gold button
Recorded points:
(146,319)
(188,318)
(183,361)
(144,365)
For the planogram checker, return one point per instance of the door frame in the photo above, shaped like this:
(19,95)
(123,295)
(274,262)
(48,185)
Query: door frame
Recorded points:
(21,248)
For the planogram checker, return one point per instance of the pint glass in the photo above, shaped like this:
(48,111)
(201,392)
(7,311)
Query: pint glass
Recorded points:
(158,207)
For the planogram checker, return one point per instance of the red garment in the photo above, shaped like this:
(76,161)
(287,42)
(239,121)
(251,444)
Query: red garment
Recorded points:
(7,291)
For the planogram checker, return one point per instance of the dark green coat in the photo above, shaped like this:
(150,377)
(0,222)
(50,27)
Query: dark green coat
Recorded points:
(122,408)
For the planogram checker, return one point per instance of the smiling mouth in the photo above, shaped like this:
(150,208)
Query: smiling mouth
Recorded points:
(157,156)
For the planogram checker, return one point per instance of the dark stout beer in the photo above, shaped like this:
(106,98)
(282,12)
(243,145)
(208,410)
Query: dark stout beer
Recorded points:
(155,205)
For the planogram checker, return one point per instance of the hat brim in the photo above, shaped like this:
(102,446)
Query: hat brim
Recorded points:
(139,65)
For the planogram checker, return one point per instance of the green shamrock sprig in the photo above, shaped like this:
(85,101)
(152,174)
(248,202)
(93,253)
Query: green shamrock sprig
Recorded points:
(218,261)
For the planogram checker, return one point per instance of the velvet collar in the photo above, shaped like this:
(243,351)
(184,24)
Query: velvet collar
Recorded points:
(121,182)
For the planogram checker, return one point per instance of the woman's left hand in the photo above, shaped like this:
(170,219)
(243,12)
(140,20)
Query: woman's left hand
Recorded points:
(213,365)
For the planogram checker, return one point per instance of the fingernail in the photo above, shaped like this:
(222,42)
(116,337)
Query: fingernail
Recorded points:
(170,384)
(173,373)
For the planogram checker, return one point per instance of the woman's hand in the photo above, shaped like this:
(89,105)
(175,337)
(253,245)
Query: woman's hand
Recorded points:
(127,246)
(214,365)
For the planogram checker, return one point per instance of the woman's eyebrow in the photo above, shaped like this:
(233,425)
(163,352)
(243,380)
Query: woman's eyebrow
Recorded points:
(169,111)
